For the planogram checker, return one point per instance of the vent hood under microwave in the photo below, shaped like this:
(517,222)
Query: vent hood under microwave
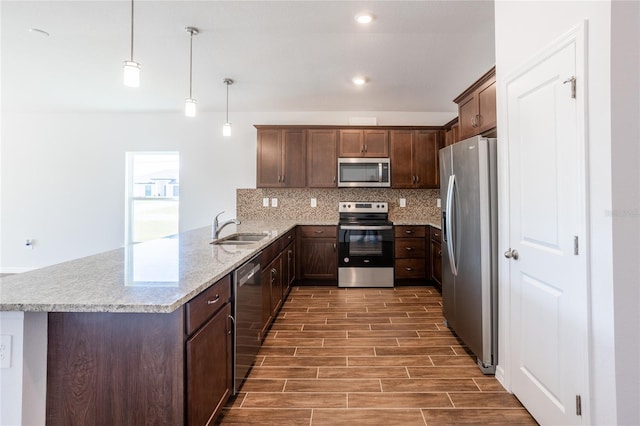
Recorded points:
(364,172)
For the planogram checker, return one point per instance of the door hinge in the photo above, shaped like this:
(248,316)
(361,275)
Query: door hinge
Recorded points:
(578,405)
(576,249)
(571,80)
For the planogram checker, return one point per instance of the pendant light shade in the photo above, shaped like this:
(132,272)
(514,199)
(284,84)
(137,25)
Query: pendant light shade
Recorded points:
(131,68)
(190,103)
(190,107)
(131,74)
(226,128)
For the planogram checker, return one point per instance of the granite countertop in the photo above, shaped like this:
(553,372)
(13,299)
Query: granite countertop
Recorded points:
(156,276)
(153,277)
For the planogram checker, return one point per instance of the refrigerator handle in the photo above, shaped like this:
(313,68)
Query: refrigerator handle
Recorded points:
(448,225)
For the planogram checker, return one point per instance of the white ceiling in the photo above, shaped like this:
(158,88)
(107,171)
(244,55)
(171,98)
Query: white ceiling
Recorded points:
(283,55)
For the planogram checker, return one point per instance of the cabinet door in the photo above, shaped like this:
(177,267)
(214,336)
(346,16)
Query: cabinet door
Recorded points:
(402,175)
(322,162)
(275,280)
(290,269)
(294,151)
(267,314)
(351,143)
(269,168)
(376,143)
(486,106)
(209,369)
(436,262)
(467,111)
(318,259)
(425,159)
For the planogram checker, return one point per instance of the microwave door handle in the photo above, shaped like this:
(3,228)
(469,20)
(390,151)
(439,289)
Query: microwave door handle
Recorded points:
(380,172)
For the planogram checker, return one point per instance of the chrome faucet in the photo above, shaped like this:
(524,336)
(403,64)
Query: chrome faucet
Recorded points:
(216,227)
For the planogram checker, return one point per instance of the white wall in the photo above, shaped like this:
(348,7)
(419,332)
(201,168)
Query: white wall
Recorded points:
(62,174)
(522,29)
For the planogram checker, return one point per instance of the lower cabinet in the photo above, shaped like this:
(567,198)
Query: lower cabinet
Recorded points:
(436,255)
(410,252)
(209,376)
(276,264)
(141,368)
(317,257)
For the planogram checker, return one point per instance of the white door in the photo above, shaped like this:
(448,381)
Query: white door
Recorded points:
(548,340)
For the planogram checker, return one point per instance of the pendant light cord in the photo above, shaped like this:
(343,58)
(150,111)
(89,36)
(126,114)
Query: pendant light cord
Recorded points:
(190,63)
(227,102)
(131,30)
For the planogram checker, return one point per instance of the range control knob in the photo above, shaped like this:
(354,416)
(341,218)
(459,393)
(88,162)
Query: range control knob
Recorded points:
(346,260)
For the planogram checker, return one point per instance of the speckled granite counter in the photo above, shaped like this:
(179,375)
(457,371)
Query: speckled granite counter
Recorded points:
(156,276)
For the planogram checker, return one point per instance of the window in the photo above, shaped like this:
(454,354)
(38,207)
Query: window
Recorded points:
(152,195)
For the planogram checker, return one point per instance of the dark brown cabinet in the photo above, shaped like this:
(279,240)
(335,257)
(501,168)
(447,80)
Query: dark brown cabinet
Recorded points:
(322,161)
(281,158)
(410,252)
(451,132)
(436,255)
(477,107)
(363,143)
(209,376)
(141,368)
(318,259)
(276,264)
(414,158)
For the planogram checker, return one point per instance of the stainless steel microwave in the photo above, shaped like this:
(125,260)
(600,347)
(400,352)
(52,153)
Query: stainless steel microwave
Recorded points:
(364,172)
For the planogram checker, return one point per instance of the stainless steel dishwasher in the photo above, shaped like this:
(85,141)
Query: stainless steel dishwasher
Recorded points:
(247,314)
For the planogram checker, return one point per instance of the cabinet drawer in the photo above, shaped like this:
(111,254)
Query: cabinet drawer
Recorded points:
(409,231)
(318,231)
(203,306)
(435,234)
(410,247)
(410,268)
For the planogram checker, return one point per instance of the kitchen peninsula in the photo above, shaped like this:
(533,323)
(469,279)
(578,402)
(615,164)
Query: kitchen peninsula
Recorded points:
(107,336)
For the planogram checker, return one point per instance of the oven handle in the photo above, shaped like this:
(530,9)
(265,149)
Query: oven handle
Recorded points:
(367,228)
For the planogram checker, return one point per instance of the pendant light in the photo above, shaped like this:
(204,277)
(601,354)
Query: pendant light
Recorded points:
(226,128)
(131,68)
(190,103)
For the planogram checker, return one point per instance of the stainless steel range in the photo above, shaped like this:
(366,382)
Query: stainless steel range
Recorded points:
(365,244)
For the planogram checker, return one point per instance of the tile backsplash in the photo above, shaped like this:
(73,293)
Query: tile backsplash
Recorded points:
(295,203)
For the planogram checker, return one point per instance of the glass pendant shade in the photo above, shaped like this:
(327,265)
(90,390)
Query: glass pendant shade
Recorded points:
(226,129)
(190,107)
(131,74)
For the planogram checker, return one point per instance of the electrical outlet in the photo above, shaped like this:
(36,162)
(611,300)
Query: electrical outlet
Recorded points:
(314,202)
(438,203)
(265,202)
(5,351)
(274,202)
(403,202)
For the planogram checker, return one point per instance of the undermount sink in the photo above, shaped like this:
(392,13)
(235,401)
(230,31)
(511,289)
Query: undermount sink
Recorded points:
(236,239)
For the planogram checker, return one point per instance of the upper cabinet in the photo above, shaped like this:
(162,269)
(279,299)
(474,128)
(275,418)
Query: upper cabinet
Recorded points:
(414,158)
(451,132)
(477,107)
(281,158)
(363,143)
(322,161)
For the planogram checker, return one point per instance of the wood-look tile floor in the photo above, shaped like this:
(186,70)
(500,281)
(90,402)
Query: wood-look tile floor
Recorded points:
(368,357)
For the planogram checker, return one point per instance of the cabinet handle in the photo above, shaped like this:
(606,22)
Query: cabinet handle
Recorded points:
(408,232)
(409,269)
(334,246)
(334,179)
(213,301)
(233,320)
(473,121)
(417,178)
(439,253)
(319,232)
(365,148)
(478,118)
(408,248)
(283,178)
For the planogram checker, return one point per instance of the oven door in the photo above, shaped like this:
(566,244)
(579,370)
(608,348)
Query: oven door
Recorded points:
(365,246)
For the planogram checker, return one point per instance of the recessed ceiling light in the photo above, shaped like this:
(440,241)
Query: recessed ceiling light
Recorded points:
(39,32)
(364,18)
(359,80)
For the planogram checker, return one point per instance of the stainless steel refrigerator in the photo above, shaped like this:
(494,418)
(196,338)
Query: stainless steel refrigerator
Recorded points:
(468,191)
